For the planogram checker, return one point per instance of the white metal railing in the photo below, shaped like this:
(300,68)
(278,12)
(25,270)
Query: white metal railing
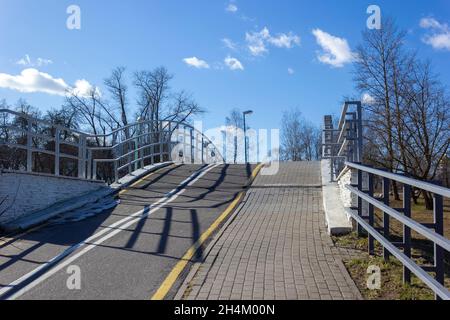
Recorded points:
(34,145)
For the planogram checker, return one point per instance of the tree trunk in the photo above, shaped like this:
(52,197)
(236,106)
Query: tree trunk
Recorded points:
(428,200)
(395,190)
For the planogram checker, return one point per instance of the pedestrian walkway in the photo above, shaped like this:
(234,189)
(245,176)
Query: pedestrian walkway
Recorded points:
(275,247)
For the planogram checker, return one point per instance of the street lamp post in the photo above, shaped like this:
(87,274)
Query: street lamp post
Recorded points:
(248,112)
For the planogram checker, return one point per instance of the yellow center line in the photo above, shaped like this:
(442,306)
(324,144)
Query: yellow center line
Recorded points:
(179,267)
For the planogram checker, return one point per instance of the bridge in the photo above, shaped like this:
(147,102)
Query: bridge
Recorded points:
(152,211)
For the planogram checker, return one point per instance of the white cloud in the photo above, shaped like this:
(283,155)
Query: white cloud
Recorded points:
(257,42)
(429,23)
(84,89)
(32,80)
(196,63)
(290,71)
(231,8)
(228,43)
(440,36)
(285,40)
(367,99)
(233,63)
(336,51)
(26,61)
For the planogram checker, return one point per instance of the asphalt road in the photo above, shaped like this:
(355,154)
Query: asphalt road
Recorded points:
(125,252)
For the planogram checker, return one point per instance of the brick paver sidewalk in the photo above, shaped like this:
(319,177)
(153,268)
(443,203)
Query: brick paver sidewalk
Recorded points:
(276,247)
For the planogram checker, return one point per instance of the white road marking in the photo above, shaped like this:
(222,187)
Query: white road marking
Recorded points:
(118,226)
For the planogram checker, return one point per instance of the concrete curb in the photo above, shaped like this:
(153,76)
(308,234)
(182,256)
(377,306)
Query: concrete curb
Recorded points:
(335,215)
(349,279)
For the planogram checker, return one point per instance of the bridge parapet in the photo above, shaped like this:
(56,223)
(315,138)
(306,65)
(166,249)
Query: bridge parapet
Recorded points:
(37,146)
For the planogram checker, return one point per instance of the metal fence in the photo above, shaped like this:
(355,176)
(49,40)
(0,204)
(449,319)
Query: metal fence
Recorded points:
(433,232)
(343,143)
(344,146)
(33,145)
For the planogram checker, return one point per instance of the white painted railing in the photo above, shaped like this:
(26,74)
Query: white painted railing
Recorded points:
(33,145)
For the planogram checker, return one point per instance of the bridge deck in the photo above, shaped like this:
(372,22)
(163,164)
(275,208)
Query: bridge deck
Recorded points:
(276,246)
(121,256)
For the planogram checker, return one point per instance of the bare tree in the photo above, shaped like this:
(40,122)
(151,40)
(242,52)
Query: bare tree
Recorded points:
(153,91)
(181,108)
(300,139)
(376,75)
(118,90)
(408,116)
(291,136)
(426,124)
(88,109)
(65,117)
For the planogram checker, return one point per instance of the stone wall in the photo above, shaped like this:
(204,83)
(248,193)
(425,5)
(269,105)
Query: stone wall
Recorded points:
(23,193)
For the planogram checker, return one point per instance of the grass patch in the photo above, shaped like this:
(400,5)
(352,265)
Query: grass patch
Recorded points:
(392,287)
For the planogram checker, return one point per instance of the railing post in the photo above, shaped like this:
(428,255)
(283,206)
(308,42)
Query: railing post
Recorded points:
(29,145)
(152,148)
(371,215)
(184,144)
(386,224)
(359,131)
(94,170)
(116,172)
(203,146)
(169,141)
(160,143)
(130,157)
(191,138)
(197,142)
(89,164)
(81,155)
(407,230)
(438,217)
(142,158)
(136,154)
(360,208)
(57,151)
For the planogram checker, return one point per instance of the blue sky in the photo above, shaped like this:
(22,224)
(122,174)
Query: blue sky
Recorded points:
(277,62)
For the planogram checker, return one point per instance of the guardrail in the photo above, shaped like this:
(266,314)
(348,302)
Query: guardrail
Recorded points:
(434,232)
(343,143)
(343,146)
(34,145)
